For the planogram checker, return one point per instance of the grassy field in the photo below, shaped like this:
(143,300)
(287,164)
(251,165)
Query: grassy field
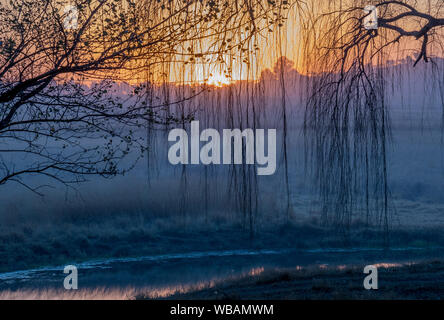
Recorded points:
(31,246)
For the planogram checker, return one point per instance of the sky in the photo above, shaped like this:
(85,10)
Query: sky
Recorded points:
(290,41)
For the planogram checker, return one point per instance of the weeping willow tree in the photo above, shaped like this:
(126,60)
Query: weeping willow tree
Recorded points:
(347,125)
(60,63)
(231,99)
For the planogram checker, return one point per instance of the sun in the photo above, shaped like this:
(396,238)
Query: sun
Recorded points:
(218,80)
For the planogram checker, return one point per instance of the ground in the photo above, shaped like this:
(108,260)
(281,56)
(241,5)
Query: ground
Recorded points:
(424,280)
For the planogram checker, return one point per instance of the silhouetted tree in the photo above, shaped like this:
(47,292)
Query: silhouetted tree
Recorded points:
(346,121)
(61,69)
